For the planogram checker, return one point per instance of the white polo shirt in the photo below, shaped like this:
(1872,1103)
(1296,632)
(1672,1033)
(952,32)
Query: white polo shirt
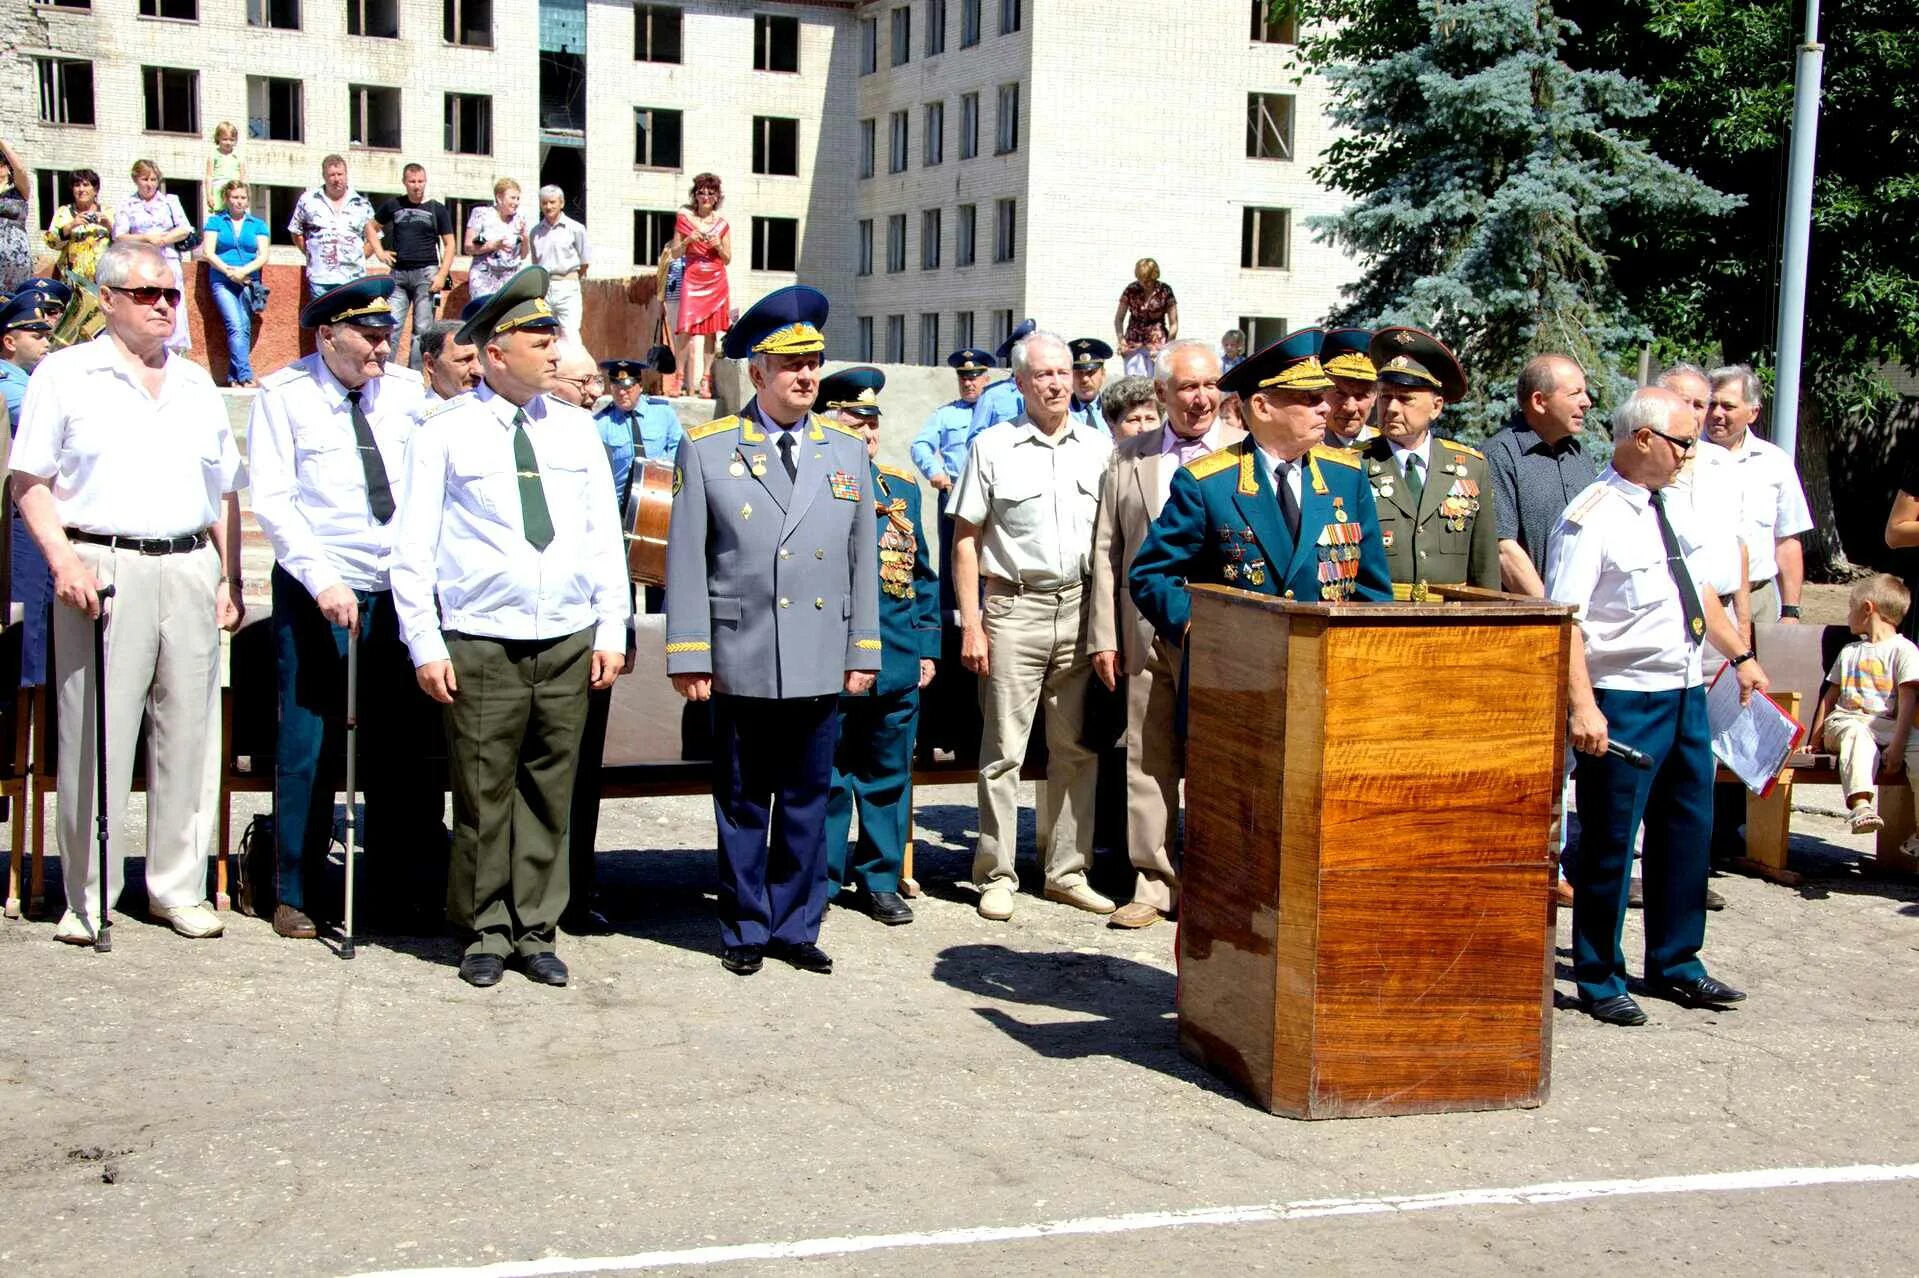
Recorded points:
(1607,559)
(1034,499)
(122,462)
(1771,502)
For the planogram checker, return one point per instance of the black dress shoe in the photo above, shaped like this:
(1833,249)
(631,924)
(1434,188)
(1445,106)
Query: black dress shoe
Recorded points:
(887,907)
(584,920)
(804,955)
(547,968)
(741,960)
(1714,901)
(482,969)
(1704,992)
(1635,895)
(1620,1009)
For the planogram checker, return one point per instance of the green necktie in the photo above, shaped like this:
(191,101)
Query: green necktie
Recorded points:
(534,516)
(1414,484)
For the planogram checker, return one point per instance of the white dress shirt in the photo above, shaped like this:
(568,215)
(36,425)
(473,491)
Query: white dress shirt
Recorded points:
(1271,462)
(124,463)
(1424,452)
(461,560)
(1707,491)
(1772,504)
(309,484)
(1607,559)
(1034,499)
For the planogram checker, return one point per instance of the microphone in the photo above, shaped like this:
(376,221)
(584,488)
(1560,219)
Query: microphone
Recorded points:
(1636,758)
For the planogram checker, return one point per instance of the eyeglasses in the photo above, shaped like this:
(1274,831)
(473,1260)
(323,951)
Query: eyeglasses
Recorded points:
(149,295)
(580,382)
(1681,444)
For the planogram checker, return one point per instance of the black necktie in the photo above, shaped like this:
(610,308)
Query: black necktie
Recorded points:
(379,493)
(786,456)
(1288,504)
(633,429)
(1681,577)
(535,518)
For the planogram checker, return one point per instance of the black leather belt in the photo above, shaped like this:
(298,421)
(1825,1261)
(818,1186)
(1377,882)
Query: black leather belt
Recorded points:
(143,545)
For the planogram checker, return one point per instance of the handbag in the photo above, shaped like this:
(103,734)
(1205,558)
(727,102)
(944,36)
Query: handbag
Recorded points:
(257,293)
(179,218)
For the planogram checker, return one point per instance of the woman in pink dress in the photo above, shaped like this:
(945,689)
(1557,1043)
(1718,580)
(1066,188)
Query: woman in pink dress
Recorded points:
(703,238)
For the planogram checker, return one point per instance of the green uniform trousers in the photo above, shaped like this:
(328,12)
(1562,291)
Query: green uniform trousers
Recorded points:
(513,740)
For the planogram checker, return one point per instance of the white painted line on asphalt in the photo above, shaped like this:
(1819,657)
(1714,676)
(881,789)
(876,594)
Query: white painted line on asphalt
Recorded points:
(1138,1222)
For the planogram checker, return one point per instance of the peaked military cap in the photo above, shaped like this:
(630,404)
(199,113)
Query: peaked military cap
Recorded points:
(622,372)
(26,310)
(1004,351)
(520,304)
(1291,363)
(1089,352)
(56,292)
(853,390)
(1343,354)
(1415,358)
(787,321)
(972,360)
(363,303)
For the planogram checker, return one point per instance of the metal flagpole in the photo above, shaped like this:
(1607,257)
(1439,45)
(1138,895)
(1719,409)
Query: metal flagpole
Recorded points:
(1792,289)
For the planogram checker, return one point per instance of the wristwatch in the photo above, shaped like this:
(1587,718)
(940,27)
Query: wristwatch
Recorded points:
(1743,658)
(1789,610)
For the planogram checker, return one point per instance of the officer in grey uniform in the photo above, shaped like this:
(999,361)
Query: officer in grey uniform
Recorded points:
(772,610)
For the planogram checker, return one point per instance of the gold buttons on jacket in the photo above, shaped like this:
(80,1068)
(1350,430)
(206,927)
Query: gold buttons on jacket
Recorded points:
(819,553)
(786,603)
(819,603)
(785,553)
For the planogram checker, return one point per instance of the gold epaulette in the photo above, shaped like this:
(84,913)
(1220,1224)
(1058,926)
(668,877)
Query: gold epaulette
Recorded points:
(1211,463)
(710,429)
(1584,506)
(1338,456)
(1458,447)
(897,472)
(844,430)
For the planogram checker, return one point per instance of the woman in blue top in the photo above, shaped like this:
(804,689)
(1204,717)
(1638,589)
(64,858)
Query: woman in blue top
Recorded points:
(235,248)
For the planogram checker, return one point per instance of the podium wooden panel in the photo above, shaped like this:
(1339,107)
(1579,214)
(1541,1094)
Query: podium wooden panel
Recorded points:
(1365,916)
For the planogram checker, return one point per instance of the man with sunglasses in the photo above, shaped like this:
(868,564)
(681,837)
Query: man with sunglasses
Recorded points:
(1632,568)
(126,473)
(326,439)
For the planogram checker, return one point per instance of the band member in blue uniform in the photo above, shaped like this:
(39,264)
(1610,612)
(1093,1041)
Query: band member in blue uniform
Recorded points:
(636,427)
(1089,379)
(1001,402)
(26,327)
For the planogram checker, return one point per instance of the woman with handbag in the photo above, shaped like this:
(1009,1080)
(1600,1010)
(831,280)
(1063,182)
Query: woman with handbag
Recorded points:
(152,216)
(235,249)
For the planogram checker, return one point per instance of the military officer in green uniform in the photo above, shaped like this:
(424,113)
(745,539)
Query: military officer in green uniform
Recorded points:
(1345,355)
(1433,494)
(1277,513)
(873,760)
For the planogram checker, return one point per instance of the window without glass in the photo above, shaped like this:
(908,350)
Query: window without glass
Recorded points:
(868,128)
(274,205)
(963,329)
(965,242)
(1007,140)
(1265,242)
(373,116)
(776,43)
(1009,16)
(182,10)
(929,337)
(283,14)
(776,146)
(276,109)
(1263,330)
(1005,218)
(66,91)
(53,187)
(896,244)
(172,99)
(933,135)
(969,23)
(468,22)
(935,27)
(1002,326)
(656,138)
(652,231)
(1268,29)
(469,124)
(896,148)
(869,45)
(969,125)
(1269,126)
(656,32)
(866,246)
(378,18)
(67,4)
(776,244)
(866,339)
(902,35)
(896,339)
(929,239)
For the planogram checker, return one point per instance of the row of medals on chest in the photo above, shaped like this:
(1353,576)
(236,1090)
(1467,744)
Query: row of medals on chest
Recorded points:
(1461,503)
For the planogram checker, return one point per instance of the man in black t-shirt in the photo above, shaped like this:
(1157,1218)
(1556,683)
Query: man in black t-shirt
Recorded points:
(420,232)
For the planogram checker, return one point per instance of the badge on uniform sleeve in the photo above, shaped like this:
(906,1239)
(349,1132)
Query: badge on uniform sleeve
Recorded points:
(845,487)
(679,481)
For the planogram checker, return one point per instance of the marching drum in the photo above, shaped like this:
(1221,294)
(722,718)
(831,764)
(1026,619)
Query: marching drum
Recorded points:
(649,509)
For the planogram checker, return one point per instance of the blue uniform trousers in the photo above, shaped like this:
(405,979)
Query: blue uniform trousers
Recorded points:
(33,591)
(1674,803)
(873,770)
(400,745)
(772,769)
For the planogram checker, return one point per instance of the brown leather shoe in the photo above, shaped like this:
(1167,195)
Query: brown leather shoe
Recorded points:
(1134,914)
(293,924)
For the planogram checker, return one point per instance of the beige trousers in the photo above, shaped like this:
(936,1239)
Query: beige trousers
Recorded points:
(163,662)
(1152,776)
(1036,657)
(1857,739)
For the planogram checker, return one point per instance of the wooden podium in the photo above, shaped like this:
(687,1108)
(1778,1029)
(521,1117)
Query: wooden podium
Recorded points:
(1371,791)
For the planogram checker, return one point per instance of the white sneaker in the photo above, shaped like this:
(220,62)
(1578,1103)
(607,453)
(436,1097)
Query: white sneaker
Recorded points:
(1081,897)
(195,921)
(74,930)
(996,903)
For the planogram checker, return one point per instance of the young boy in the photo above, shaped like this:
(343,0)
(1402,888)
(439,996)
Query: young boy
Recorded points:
(1870,694)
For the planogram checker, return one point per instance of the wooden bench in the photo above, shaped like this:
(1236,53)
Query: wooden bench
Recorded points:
(1796,659)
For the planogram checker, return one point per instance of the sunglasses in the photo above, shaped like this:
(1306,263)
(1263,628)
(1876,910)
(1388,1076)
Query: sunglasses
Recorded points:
(148,296)
(1683,446)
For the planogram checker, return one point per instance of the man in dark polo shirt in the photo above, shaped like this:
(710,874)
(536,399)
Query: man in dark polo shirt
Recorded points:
(420,234)
(1537,466)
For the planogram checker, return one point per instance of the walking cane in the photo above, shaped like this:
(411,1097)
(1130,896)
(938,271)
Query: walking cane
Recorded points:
(102,943)
(352,789)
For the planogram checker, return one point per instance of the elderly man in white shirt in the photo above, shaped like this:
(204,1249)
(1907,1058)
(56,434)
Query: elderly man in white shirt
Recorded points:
(125,471)
(558,243)
(509,574)
(1024,509)
(326,442)
(1772,503)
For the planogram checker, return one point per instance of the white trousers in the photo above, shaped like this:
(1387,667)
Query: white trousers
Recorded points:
(564,297)
(1858,739)
(163,662)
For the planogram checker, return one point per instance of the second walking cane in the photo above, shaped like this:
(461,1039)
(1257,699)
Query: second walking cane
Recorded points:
(102,943)
(352,789)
